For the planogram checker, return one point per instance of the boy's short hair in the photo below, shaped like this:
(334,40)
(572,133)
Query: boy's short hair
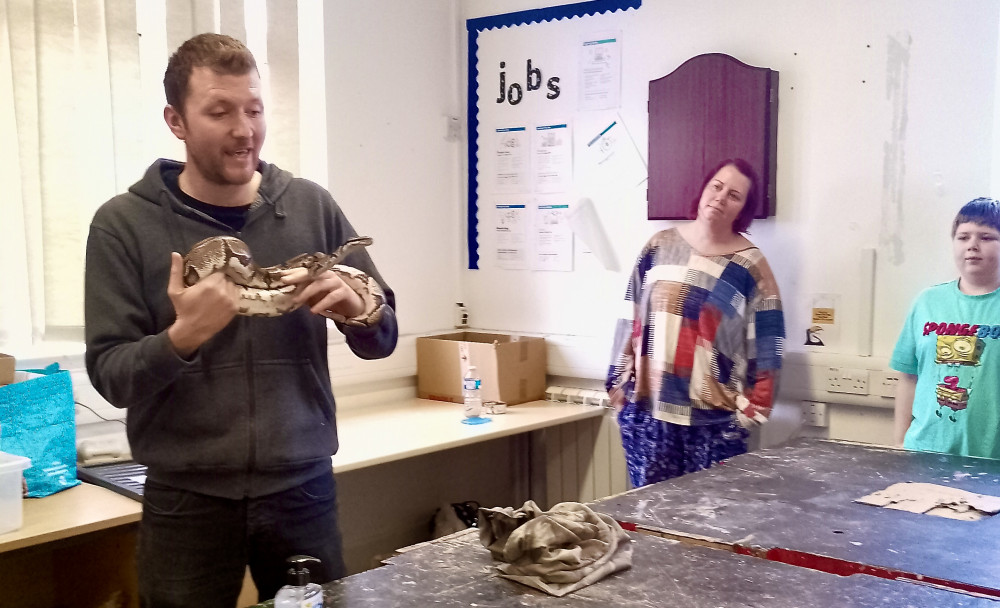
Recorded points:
(984,211)
(223,54)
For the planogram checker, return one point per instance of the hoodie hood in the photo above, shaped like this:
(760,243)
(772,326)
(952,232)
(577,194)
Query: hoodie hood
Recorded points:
(273,184)
(152,187)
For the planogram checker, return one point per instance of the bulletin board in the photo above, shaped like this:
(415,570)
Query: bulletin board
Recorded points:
(527,78)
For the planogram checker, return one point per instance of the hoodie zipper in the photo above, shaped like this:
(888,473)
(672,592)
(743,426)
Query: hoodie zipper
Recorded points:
(167,203)
(251,398)
(251,404)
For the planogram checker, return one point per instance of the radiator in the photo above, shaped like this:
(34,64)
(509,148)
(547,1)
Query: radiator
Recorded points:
(583,461)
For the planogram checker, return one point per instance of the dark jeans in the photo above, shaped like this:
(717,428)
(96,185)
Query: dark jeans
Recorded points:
(657,451)
(194,549)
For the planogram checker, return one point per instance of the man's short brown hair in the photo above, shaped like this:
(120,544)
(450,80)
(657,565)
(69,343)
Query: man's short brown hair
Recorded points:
(223,54)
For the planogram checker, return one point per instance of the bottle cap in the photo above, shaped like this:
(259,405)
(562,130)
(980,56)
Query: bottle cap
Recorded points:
(298,574)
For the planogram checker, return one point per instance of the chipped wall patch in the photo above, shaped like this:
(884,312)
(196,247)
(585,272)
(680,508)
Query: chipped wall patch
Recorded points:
(894,148)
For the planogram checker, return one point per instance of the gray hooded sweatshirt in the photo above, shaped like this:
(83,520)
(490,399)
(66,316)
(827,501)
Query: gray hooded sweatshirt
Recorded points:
(252,413)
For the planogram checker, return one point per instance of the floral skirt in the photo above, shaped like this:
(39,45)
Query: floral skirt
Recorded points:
(657,450)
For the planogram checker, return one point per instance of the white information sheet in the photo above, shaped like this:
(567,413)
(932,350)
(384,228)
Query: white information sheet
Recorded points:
(610,153)
(512,236)
(552,158)
(511,156)
(553,238)
(600,71)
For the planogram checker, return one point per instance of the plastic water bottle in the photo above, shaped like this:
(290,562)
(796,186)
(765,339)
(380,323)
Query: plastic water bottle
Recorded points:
(470,393)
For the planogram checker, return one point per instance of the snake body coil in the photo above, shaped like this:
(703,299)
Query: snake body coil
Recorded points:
(262,292)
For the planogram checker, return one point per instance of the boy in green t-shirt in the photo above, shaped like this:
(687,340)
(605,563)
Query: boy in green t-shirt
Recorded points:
(948,396)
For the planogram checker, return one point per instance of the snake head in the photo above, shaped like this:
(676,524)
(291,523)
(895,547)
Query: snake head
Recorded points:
(191,275)
(326,262)
(215,254)
(349,245)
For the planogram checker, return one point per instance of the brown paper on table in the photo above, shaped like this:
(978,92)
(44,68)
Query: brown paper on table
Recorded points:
(932,499)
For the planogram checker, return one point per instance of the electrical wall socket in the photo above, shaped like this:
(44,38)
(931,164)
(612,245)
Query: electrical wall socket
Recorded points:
(883,382)
(110,447)
(846,380)
(461,315)
(555,393)
(585,396)
(452,128)
(814,414)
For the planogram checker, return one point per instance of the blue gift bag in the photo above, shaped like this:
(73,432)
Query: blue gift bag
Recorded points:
(37,420)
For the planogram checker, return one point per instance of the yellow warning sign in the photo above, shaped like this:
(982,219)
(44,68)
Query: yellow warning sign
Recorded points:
(823,316)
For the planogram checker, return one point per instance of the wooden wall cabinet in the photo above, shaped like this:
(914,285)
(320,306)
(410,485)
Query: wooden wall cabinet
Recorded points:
(711,108)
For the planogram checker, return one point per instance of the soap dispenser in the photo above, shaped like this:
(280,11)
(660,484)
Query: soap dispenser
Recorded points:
(300,592)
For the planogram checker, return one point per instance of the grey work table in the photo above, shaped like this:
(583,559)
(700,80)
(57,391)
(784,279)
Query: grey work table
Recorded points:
(795,504)
(458,571)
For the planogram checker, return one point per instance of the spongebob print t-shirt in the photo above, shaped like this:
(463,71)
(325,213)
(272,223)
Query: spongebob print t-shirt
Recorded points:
(951,342)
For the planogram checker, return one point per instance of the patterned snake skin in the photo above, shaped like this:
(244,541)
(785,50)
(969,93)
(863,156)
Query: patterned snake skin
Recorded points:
(262,293)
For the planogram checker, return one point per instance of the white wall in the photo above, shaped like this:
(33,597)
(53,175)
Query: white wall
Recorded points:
(885,128)
(391,85)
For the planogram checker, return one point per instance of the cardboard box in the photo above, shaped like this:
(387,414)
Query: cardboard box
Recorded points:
(6,369)
(11,497)
(512,368)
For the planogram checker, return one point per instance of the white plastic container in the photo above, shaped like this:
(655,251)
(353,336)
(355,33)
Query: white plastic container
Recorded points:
(11,496)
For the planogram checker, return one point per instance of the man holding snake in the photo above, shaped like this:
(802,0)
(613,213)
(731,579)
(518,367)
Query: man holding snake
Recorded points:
(233,415)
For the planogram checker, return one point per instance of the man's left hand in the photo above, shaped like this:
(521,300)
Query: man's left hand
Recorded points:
(324,293)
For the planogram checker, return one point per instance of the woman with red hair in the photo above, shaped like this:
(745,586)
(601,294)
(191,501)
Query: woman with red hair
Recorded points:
(697,352)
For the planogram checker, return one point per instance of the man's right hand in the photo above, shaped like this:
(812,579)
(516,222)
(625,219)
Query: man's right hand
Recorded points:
(202,310)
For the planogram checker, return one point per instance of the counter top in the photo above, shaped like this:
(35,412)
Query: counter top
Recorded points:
(411,427)
(368,436)
(78,510)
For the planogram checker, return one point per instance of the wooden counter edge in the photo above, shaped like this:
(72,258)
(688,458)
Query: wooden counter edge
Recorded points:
(78,510)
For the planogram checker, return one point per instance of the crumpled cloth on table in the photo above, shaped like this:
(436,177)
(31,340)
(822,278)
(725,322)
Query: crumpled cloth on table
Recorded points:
(556,551)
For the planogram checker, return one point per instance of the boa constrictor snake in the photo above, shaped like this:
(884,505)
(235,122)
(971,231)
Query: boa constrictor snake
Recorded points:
(262,293)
